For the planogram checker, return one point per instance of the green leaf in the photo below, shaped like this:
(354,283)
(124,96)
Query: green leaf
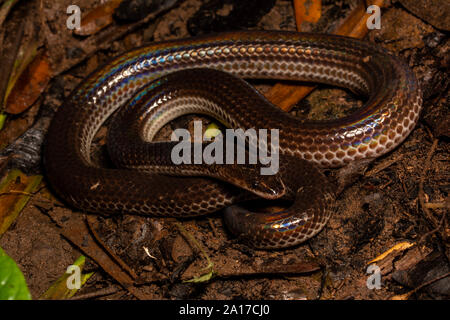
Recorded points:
(59,290)
(205,277)
(12,281)
(212,131)
(2,119)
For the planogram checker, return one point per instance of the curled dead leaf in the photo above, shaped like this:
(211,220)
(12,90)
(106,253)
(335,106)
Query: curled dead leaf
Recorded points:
(29,85)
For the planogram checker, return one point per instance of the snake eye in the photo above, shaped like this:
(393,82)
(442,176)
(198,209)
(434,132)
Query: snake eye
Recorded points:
(255,184)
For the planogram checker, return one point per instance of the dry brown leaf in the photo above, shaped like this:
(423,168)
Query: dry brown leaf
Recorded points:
(307,11)
(29,85)
(286,96)
(15,191)
(98,18)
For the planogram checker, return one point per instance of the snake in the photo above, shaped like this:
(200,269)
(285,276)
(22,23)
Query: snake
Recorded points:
(157,83)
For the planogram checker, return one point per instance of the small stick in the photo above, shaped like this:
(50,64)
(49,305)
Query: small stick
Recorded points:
(421,182)
(98,293)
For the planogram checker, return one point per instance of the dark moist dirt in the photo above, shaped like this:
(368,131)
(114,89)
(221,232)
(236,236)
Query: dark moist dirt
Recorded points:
(380,209)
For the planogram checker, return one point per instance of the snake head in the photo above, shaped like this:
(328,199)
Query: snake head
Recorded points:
(248,177)
(268,187)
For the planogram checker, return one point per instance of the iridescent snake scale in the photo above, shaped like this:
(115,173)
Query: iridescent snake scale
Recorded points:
(385,120)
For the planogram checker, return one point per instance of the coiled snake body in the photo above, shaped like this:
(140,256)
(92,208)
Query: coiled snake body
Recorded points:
(387,117)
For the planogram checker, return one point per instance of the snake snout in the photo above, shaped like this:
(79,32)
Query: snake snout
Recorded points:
(248,177)
(268,187)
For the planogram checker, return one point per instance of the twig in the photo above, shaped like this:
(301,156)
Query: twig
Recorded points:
(406,295)
(427,164)
(437,205)
(382,166)
(441,223)
(23,193)
(96,294)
